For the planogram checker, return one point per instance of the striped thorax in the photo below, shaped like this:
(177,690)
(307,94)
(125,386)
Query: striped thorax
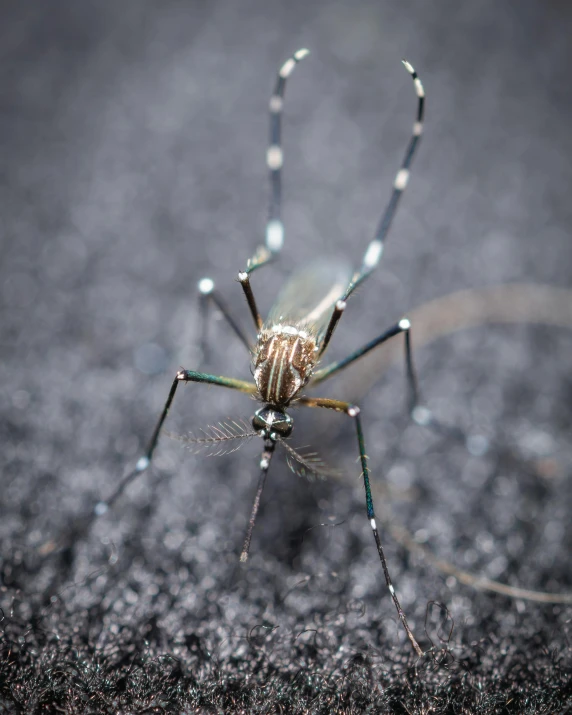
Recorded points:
(283,364)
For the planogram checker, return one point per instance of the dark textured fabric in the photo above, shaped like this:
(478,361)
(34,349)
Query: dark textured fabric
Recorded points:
(132,140)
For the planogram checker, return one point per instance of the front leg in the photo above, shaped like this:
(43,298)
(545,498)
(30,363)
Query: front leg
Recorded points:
(418,412)
(81,527)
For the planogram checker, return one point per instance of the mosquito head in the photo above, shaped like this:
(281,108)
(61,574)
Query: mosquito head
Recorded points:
(272,423)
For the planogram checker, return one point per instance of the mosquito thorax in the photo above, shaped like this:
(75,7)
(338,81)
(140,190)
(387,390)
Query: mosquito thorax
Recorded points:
(269,421)
(283,362)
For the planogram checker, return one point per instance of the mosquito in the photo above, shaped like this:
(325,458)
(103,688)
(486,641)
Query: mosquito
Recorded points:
(292,341)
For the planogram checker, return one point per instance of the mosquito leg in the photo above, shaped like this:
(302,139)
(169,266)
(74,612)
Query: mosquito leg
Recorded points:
(274,237)
(144,461)
(83,525)
(209,294)
(374,250)
(269,446)
(339,308)
(354,412)
(423,416)
(335,367)
(419,413)
(244,280)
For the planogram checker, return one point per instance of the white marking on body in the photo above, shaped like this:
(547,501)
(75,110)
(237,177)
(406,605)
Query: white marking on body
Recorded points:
(404,324)
(301,53)
(270,397)
(408,66)
(100,508)
(206,285)
(297,378)
(417,129)
(373,254)
(242,276)
(341,306)
(373,524)
(287,67)
(284,364)
(421,415)
(419,87)
(293,352)
(391,589)
(271,346)
(401,179)
(180,376)
(274,157)
(289,330)
(276,103)
(353,411)
(274,235)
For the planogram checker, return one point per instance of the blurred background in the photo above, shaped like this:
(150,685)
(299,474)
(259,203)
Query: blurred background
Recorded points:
(132,146)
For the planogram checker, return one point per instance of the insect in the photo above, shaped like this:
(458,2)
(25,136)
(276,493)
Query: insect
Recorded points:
(292,341)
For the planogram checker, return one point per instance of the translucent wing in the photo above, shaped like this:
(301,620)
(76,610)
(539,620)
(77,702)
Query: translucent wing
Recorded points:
(307,300)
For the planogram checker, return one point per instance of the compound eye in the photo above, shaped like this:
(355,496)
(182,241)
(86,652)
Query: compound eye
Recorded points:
(283,426)
(258,422)
(269,421)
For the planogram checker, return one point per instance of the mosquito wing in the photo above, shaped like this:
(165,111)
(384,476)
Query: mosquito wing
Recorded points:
(307,300)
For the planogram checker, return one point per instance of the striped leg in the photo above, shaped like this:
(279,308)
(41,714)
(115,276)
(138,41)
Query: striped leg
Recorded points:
(274,159)
(81,528)
(403,326)
(207,295)
(375,249)
(269,447)
(274,156)
(476,444)
(274,238)
(145,460)
(353,411)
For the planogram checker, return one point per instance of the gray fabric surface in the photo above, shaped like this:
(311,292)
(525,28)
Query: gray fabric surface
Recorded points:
(132,139)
